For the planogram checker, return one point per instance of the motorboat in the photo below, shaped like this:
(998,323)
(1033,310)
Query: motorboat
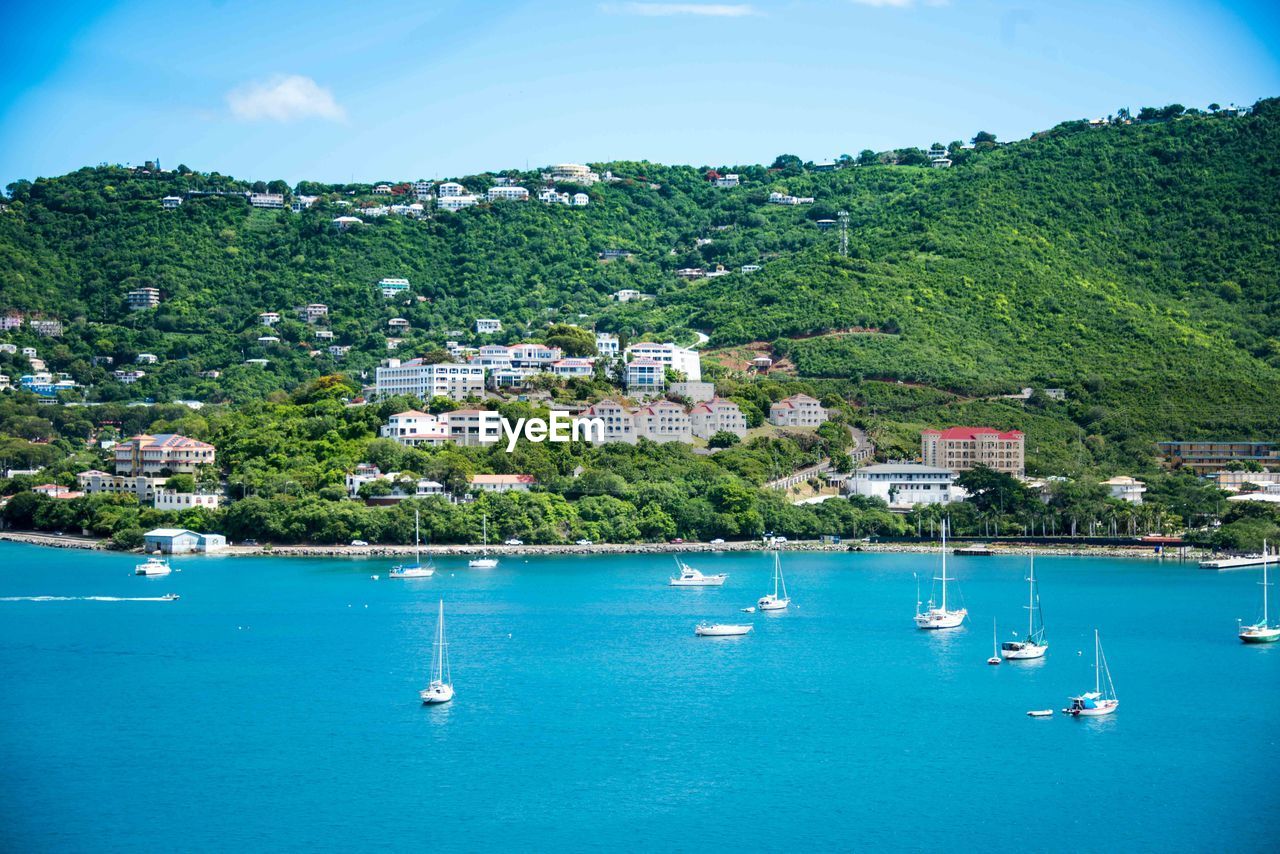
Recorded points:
(1263,631)
(171,597)
(940,617)
(721,630)
(440,689)
(153,566)
(415,569)
(778,600)
(1034,646)
(1102,699)
(690,577)
(484,561)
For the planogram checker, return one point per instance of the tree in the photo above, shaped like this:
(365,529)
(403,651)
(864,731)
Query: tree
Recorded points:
(181,483)
(867,157)
(723,439)
(990,490)
(983,138)
(573,340)
(787,162)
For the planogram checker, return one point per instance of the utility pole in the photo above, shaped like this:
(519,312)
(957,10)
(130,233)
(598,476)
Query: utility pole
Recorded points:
(844,232)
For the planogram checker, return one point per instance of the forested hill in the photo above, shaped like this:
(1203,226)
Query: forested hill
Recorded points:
(1135,265)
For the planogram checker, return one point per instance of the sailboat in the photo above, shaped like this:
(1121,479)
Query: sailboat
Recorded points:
(440,690)
(1034,646)
(415,569)
(1099,701)
(484,561)
(1262,632)
(940,617)
(995,651)
(773,601)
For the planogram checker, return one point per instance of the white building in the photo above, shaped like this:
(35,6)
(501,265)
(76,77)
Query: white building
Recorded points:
(171,202)
(426,381)
(799,410)
(422,190)
(342,223)
(728,181)
(619,425)
(324,334)
(128,377)
(147,359)
(629,295)
(169,500)
(1126,488)
(382,190)
(415,428)
(776,198)
(390,287)
(904,485)
(450,188)
(508,194)
(645,376)
(398,323)
(266,200)
(607,345)
(681,359)
(580,200)
(177,541)
(338,351)
(456,203)
(313,313)
(141,299)
(502,482)
(717,415)
(750,268)
(551,197)
(572,368)
(697,392)
(269,318)
(663,421)
(573,173)
(143,487)
(488,325)
(301,203)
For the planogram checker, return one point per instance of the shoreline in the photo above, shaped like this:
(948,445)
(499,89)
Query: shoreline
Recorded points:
(1190,554)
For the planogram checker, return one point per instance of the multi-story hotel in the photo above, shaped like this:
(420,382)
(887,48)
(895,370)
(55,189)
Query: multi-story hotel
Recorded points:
(799,410)
(1202,457)
(677,358)
(446,379)
(716,415)
(146,455)
(662,421)
(962,448)
(143,298)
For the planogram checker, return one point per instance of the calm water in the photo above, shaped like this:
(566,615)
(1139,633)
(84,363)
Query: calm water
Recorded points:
(276,706)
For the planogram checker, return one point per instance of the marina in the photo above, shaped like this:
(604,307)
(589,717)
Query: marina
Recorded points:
(259,637)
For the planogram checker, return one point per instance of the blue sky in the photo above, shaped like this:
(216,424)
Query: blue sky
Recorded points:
(387,90)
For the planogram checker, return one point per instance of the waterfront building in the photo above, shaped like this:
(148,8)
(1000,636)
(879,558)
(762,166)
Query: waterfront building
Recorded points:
(142,487)
(963,448)
(799,410)
(180,541)
(904,485)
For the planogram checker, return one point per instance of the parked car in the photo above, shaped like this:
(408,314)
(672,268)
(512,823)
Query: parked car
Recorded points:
(676,541)
(514,542)
(249,543)
(584,543)
(359,543)
(779,540)
(717,542)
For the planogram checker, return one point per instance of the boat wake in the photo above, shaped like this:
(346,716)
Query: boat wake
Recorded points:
(86,598)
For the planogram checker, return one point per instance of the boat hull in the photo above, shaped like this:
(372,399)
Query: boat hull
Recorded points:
(1100,710)
(940,619)
(152,572)
(436,694)
(721,631)
(412,573)
(1024,652)
(1254,636)
(768,603)
(483,563)
(705,581)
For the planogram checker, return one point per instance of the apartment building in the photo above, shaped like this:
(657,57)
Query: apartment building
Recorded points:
(607,345)
(663,421)
(619,426)
(414,377)
(450,188)
(799,410)
(963,448)
(573,368)
(148,454)
(1211,456)
(456,203)
(392,287)
(267,200)
(507,194)
(645,376)
(141,299)
(716,415)
(681,359)
(415,428)
(467,427)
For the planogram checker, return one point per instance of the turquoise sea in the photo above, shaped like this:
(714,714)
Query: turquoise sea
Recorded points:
(275,707)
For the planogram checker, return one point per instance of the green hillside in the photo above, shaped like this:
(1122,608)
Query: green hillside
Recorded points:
(1134,265)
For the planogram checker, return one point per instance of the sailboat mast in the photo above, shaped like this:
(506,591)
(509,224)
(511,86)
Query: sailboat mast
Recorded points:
(417,552)
(1031,601)
(944,564)
(1097,656)
(776,569)
(439,674)
(1264,584)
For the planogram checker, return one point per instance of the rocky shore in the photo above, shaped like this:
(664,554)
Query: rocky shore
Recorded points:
(997,548)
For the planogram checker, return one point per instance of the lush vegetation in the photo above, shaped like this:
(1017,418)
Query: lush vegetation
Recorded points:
(1133,265)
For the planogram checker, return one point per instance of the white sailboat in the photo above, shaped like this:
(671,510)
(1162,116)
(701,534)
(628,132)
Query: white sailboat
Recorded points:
(1261,632)
(940,617)
(484,561)
(690,577)
(775,601)
(1034,646)
(1101,700)
(995,647)
(440,690)
(415,569)
(721,630)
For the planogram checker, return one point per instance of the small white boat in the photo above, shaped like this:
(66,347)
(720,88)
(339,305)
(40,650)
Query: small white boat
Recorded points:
(1040,713)
(440,690)
(484,561)
(720,630)
(778,599)
(1261,632)
(415,569)
(995,645)
(940,617)
(750,609)
(690,577)
(1100,701)
(153,566)
(1034,646)
(171,597)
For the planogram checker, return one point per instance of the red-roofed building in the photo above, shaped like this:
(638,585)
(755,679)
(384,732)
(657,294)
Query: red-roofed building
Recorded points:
(962,448)
(148,455)
(799,410)
(54,490)
(663,421)
(716,415)
(502,482)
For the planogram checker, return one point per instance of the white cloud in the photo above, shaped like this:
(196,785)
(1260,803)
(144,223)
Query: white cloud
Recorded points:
(710,10)
(284,98)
